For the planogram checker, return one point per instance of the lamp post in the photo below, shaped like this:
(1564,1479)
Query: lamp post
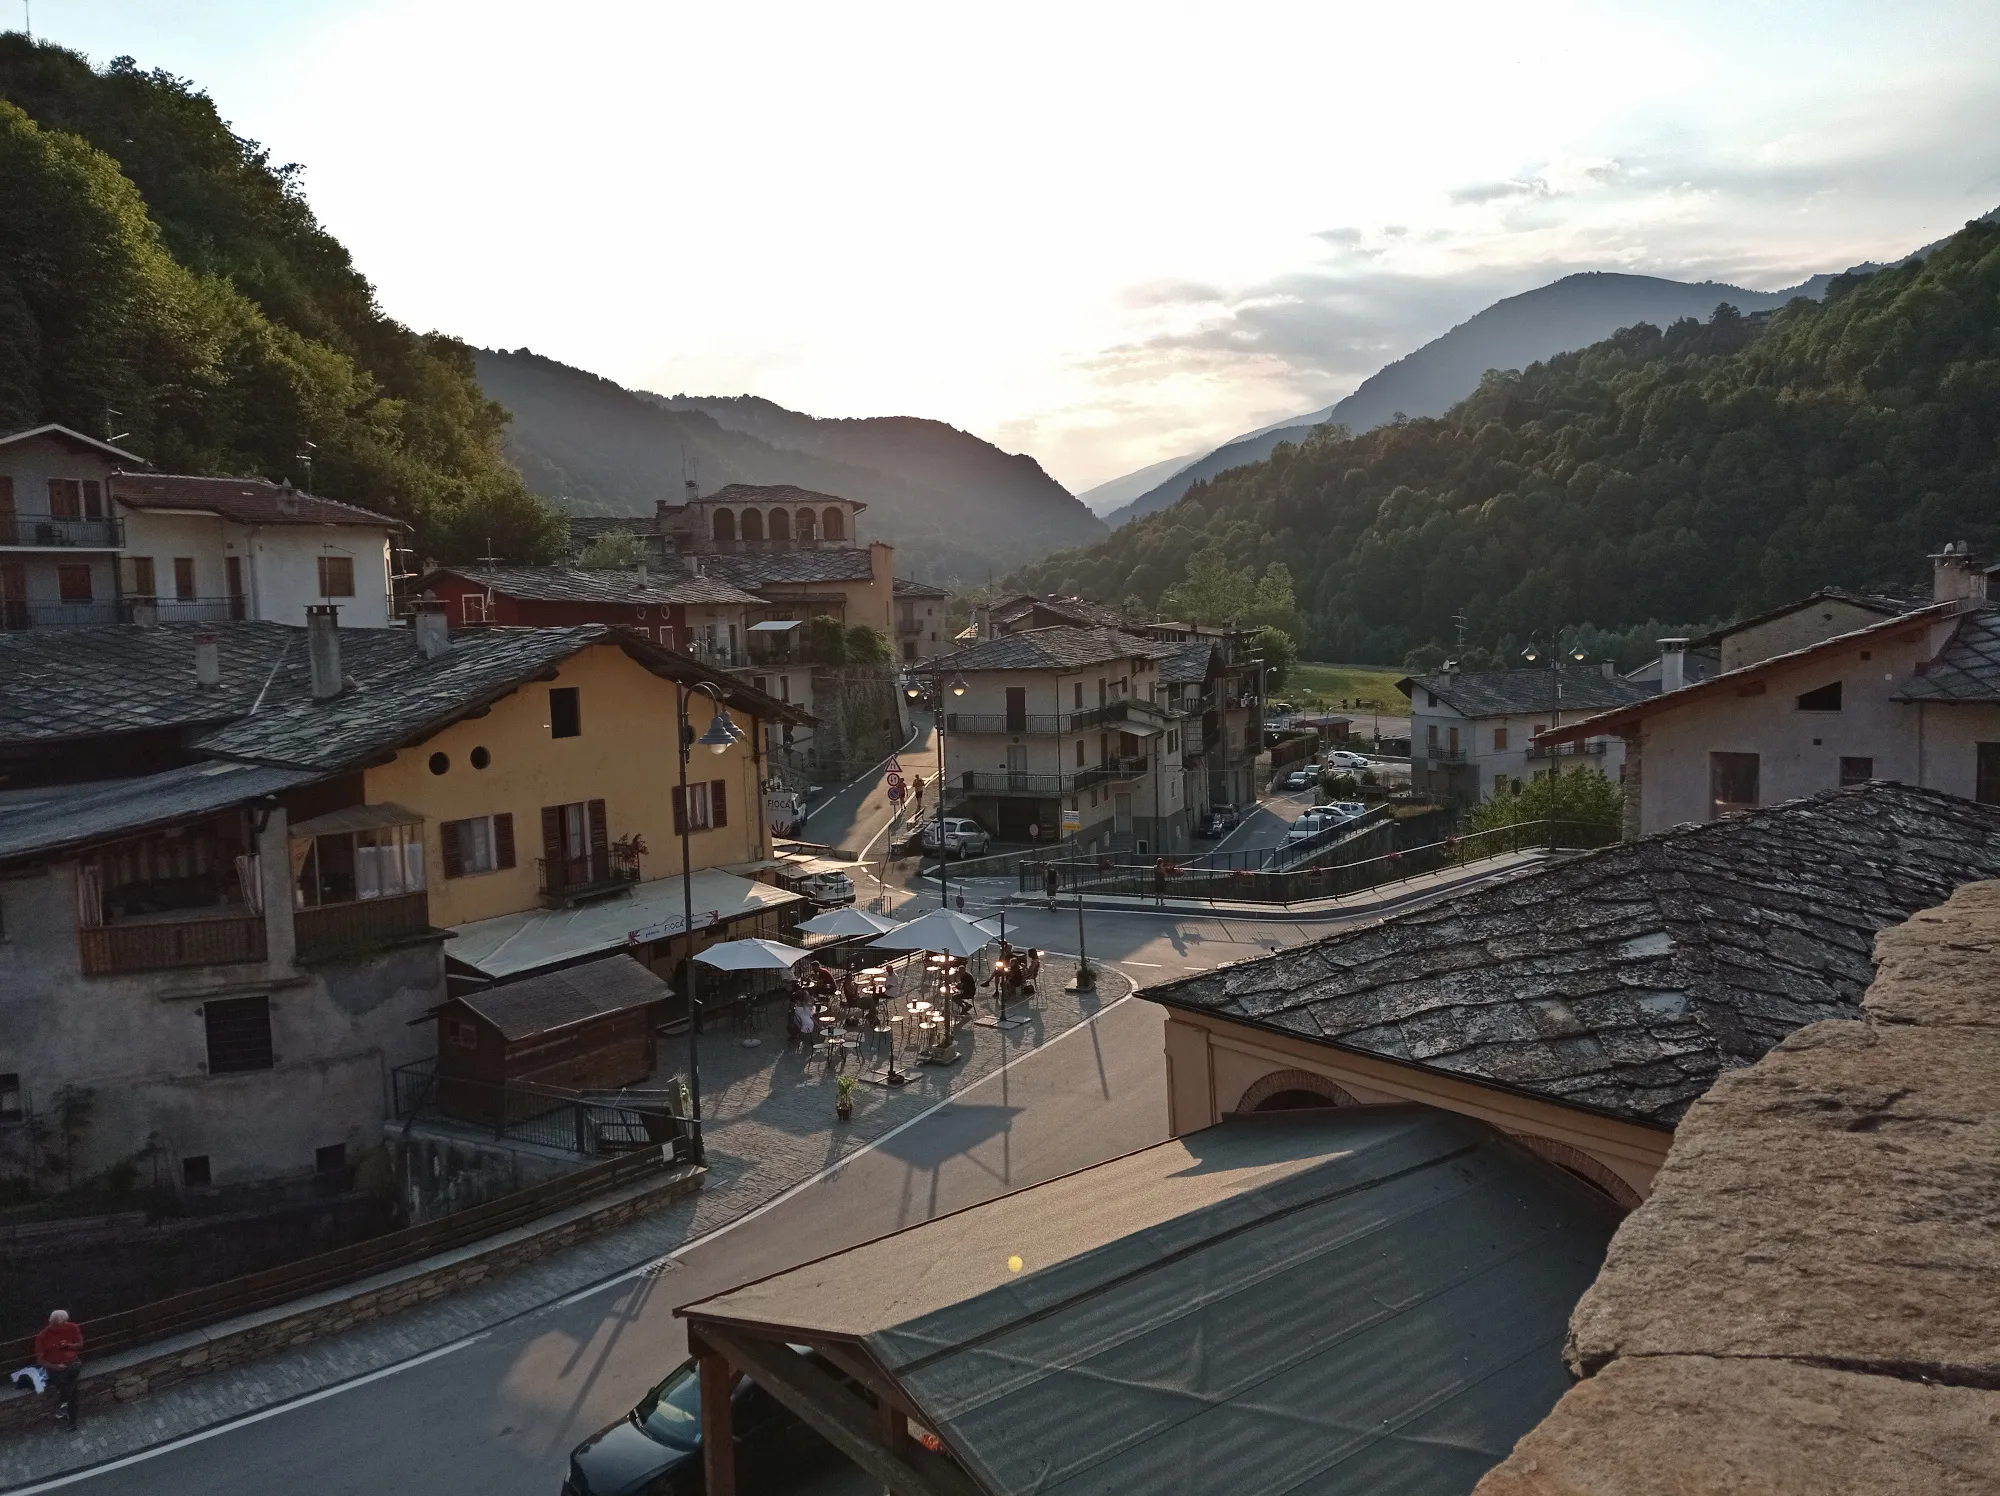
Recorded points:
(914,692)
(720,735)
(1576,653)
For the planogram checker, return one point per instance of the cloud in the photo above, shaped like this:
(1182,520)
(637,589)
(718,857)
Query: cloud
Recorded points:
(1490,192)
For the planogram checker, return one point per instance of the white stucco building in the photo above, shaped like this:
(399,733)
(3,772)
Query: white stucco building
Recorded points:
(59,532)
(1473,732)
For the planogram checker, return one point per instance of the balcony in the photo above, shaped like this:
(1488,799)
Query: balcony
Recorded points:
(1438,755)
(1050,724)
(1594,748)
(183,609)
(166,944)
(16,616)
(1004,782)
(569,881)
(45,532)
(329,930)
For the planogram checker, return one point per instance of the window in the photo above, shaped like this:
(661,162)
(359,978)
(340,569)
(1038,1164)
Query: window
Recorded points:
(336,576)
(472,608)
(1079,753)
(139,571)
(565,712)
(73,583)
(11,1108)
(480,844)
(1499,740)
(1079,696)
(1825,699)
(239,1034)
(343,867)
(701,807)
(184,578)
(464,1033)
(93,499)
(331,1159)
(1732,783)
(1986,785)
(194,1171)
(65,498)
(1856,770)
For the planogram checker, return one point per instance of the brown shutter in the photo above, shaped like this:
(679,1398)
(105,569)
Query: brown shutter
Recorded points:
(600,836)
(503,840)
(454,849)
(93,499)
(718,804)
(552,837)
(6,494)
(680,811)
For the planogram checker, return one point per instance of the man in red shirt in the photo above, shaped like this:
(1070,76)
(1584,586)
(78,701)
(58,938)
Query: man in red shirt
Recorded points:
(59,1349)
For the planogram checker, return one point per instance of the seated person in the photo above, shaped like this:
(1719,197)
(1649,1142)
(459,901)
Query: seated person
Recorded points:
(801,1023)
(967,988)
(1031,968)
(850,990)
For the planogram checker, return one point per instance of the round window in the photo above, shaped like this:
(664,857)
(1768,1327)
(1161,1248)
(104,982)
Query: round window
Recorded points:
(481,758)
(439,763)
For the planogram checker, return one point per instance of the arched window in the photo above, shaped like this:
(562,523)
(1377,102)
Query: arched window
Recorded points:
(725,527)
(833,526)
(781,526)
(805,526)
(753,524)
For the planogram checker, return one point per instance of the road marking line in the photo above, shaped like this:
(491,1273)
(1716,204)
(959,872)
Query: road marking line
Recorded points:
(650,1266)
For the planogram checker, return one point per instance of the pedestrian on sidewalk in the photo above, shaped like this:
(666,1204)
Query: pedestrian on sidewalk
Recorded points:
(1160,883)
(59,1351)
(1051,883)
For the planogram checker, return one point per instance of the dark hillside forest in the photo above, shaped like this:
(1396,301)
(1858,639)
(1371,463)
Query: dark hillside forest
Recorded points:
(155,264)
(1697,473)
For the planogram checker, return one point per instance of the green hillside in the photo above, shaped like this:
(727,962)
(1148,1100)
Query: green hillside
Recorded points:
(1697,473)
(155,264)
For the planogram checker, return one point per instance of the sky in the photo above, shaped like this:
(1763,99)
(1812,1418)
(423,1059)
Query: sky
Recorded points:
(1103,234)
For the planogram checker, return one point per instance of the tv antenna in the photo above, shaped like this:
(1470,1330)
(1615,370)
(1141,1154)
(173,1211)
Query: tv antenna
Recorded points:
(111,418)
(305,459)
(1459,622)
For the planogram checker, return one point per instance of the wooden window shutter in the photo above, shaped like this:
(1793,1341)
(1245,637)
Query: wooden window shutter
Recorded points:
(680,811)
(503,840)
(718,803)
(454,849)
(600,835)
(552,837)
(6,494)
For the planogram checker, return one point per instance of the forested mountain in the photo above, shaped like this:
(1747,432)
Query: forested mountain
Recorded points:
(1697,473)
(1560,317)
(156,265)
(956,507)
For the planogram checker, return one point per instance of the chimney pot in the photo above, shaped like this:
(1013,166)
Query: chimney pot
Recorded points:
(1955,576)
(642,574)
(1610,670)
(432,626)
(1673,664)
(146,613)
(323,649)
(207,661)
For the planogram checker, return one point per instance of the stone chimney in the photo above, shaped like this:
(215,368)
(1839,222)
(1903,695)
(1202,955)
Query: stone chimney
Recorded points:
(1956,577)
(1673,664)
(982,622)
(1610,670)
(432,626)
(642,574)
(323,649)
(207,661)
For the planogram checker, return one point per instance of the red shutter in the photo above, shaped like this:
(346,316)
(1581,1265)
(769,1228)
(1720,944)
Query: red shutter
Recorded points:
(552,837)
(454,850)
(718,804)
(680,811)
(503,840)
(600,835)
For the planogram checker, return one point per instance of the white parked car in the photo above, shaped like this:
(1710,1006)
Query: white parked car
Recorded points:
(1346,758)
(828,889)
(959,837)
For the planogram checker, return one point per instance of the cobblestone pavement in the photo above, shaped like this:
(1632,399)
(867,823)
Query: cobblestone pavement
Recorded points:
(771,1128)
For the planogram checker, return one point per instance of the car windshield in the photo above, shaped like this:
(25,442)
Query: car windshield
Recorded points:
(671,1412)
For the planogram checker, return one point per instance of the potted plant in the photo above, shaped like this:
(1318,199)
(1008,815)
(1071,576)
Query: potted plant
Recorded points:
(843,1097)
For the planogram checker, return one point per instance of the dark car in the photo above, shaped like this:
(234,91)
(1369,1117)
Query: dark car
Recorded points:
(656,1448)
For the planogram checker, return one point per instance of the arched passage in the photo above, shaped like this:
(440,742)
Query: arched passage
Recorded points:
(832,525)
(725,527)
(806,525)
(1290,1090)
(753,525)
(781,525)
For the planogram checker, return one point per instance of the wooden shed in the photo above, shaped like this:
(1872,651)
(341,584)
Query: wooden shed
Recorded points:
(584,1028)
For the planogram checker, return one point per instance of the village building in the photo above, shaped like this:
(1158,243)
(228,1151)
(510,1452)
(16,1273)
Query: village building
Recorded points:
(1582,1008)
(1477,733)
(921,634)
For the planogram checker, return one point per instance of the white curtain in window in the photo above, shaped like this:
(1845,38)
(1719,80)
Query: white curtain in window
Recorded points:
(251,878)
(413,860)
(368,872)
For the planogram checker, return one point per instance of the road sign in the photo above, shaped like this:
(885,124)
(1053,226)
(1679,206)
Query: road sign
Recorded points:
(895,768)
(895,794)
(1071,823)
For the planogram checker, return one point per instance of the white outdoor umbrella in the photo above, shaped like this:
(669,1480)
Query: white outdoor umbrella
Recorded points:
(849,921)
(944,930)
(752,955)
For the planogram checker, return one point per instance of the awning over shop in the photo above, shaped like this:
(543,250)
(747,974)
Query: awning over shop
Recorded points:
(531,940)
(356,818)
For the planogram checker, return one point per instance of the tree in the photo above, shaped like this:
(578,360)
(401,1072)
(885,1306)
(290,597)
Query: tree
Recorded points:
(615,550)
(1586,809)
(1280,655)
(866,646)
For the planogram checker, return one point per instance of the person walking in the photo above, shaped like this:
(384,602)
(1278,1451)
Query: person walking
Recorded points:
(1051,883)
(59,1351)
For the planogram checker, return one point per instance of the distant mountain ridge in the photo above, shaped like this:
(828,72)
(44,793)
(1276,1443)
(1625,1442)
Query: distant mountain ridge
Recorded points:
(957,508)
(1108,498)
(1563,316)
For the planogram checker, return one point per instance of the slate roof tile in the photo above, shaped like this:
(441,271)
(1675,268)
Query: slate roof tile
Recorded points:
(1506,693)
(580,584)
(1967,668)
(1626,980)
(783,568)
(249,501)
(1059,647)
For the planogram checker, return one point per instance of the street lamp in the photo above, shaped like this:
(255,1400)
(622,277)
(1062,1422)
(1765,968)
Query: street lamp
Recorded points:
(957,687)
(721,734)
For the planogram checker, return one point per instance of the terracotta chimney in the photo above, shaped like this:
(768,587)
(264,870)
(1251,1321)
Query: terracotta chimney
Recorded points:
(207,661)
(323,649)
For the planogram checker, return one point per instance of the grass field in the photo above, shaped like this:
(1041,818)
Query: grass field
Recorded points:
(1327,685)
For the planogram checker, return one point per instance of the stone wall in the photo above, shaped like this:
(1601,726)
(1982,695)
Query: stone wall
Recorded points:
(1807,1304)
(860,720)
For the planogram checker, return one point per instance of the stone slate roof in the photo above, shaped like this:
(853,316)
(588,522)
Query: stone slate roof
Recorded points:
(1967,669)
(906,588)
(1080,611)
(1057,648)
(38,822)
(1874,602)
(780,568)
(577,584)
(1625,981)
(58,684)
(773,493)
(1506,693)
(576,994)
(249,501)
(1188,664)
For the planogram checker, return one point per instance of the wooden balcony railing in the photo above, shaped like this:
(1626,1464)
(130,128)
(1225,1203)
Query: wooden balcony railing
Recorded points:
(367,924)
(162,945)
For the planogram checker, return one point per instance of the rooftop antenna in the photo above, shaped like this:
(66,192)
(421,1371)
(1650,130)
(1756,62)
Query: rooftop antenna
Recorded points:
(28,19)
(1458,620)
(306,460)
(111,418)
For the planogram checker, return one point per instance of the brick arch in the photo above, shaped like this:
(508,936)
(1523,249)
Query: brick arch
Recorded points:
(1263,1090)
(1563,1156)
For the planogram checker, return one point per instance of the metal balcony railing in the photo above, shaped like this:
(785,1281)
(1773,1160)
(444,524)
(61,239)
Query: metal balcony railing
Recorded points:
(595,875)
(183,609)
(162,945)
(1441,755)
(16,616)
(1047,786)
(46,532)
(1058,723)
(365,925)
(1594,748)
